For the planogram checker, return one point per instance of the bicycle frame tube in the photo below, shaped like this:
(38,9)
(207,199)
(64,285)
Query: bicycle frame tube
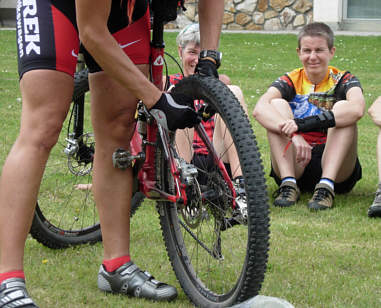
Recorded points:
(147,174)
(157,53)
(204,136)
(157,62)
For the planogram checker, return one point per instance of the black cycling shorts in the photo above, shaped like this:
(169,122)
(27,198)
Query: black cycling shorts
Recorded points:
(313,171)
(47,34)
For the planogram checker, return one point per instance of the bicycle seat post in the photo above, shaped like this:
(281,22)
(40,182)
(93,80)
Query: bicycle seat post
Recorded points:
(80,62)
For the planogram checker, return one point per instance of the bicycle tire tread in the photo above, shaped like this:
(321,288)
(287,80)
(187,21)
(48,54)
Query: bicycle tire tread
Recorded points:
(242,133)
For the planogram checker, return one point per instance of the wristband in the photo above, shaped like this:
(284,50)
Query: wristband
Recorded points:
(214,55)
(321,121)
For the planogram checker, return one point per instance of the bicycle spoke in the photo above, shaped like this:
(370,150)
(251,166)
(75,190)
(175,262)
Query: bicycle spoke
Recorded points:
(196,238)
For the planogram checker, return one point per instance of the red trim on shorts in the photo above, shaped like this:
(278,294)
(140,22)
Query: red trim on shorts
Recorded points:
(66,42)
(135,40)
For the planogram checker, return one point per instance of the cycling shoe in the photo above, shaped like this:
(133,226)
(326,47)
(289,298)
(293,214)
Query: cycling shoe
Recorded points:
(130,280)
(13,294)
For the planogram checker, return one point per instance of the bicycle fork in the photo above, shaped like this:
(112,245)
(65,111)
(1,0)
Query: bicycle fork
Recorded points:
(183,174)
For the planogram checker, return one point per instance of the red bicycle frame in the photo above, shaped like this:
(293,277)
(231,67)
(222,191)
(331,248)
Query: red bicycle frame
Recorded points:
(144,146)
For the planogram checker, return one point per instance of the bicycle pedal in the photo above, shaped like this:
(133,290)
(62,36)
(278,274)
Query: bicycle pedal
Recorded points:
(122,159)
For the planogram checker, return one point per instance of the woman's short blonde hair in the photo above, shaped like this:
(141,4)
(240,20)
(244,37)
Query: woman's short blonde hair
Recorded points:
(189,34)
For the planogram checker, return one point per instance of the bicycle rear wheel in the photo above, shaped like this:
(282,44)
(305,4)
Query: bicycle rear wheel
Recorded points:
(65,212)
(218,256)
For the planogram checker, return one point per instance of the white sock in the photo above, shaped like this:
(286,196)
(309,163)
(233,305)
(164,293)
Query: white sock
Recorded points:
(289,179)
(329,182)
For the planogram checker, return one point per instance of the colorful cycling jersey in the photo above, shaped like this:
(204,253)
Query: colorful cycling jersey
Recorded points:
(47,34)
(307,99)
(198,144)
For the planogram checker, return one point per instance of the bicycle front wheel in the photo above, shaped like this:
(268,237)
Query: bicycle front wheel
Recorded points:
(218,251)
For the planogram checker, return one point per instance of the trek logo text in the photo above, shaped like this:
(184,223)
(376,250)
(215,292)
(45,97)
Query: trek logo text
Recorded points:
(28,29)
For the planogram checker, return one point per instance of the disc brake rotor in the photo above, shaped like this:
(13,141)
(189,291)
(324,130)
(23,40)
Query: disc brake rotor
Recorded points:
(80,162)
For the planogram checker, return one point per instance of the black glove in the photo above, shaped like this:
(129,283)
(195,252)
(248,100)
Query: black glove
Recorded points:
(206,67)
(177,111)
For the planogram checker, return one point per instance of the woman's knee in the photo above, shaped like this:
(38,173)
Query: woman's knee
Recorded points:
(375,111)
(236,90)
(280,102)
(282,106)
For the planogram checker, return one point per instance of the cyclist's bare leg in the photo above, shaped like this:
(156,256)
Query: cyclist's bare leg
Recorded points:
(184,142)
(113,110)
(375,114)
(239,95)
(222,139)
(340,153)
(46,96)
(284,164)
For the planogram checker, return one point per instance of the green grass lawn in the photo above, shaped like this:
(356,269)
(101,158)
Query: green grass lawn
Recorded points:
(327,259)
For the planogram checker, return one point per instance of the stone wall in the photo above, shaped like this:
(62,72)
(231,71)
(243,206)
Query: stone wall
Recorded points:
(255,14)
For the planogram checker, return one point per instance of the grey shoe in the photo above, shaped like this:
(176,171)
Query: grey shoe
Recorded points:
(322,198)
(239,215)
(13,294)
(130,280)
(375,209)
(287,194)
(241,201)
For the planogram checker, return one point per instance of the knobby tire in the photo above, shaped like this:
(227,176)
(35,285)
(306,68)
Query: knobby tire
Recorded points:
(192,239)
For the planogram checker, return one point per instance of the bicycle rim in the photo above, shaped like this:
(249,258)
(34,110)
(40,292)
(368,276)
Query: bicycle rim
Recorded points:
(217,267)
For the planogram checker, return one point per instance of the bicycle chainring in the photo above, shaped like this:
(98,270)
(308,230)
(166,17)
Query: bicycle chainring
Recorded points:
(193,212)
(220,205)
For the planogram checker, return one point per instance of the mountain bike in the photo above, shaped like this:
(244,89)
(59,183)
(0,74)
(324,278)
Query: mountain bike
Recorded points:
(218,247)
